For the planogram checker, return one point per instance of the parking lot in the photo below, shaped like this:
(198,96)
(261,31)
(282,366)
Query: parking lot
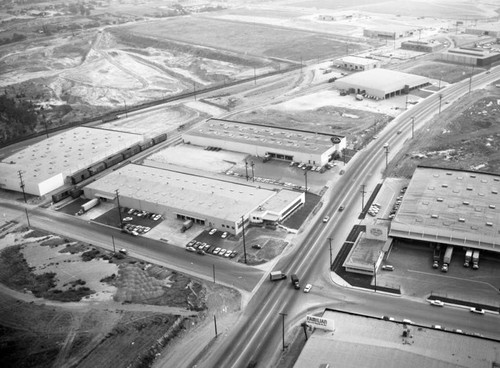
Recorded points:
(413,271)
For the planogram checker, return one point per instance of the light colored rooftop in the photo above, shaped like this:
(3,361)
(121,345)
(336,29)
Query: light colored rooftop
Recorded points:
(261,135)
(67,153)
(358,60)
(481,53)
(364,253)
(215,198)
(281,200)
(360,341)
(452,207)
(384,79)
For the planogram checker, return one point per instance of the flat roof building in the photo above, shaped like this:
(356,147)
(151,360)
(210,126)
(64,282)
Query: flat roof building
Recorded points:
(487,29)
(365,341)
(453,207)
(359,63)
(264,141)
(470,56)
(44,166)
(209,202)
(381,83)
(422,46)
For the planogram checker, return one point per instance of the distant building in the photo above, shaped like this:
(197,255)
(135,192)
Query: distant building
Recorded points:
(486,29)
(470,56)
(391,34)
(265,141)
(381,83)
(422,46)
(358,63)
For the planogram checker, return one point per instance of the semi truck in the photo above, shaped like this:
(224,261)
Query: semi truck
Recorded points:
(186,225)
(475,260)
(468,257)
(295,281)
(87,206)
(277,275)
(436,256)
(447,258)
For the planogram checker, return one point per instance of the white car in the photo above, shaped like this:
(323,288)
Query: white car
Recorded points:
(228,253)
(123,251)
(408,321)
(477,310)
(222,252)
(224,235)
(388,267)
(437,303)
(212,232)
(216,250)
(190,249)
(326,218)
(308,288)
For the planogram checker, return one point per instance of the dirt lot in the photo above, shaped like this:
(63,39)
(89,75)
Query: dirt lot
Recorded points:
(68,304)
(465,136)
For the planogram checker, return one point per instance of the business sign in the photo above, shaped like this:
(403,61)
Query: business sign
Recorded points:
(376,232)
(318,322)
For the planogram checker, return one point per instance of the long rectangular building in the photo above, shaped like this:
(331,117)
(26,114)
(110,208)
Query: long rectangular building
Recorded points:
(209,202)
(264,141)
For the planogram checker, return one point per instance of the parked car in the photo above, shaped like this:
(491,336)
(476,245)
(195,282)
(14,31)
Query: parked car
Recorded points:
(128,219)
(222,252)
(388,267)
(190,249)
(191,243)
(307,288)
(228,254)
(233,254)
(437,327)
(224,235)
(201,251)
(257,246)
(477,310)
(212,232)
(387,318)
(437,303)
(217,250)
(408,321)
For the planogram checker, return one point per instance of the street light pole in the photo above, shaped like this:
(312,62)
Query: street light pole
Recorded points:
(386,157)
(119,209)
(440,99)
(253,174)
(362,197)
(283,328)
(305,174)
(21,184)
(244,245)
(375,274)
(331,260)
(470,79)
(246,169)
(412,127)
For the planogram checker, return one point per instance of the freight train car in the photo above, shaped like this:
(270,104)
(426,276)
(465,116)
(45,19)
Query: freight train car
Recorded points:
(59,196)
(97,168)
(80,176)
(113,160)
(145,145)
(160,138)
(129,152)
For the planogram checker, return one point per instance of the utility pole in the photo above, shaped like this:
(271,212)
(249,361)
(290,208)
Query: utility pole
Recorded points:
(46,130)
(27,217)
(406,104)
(119,209)
(246,169)
(470,79)
(244,245)
(363,196)
(386,157)
(375,274)
(412,127)
(331,260)
(21,184)
(253,174)
(305,175)
(213,272)
(113,241)
(440,99)
(215,324)
(283,329)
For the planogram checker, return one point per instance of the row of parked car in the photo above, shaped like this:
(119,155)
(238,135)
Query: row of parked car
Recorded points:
(374,209)
(135,229)
(143,214)
(203,248)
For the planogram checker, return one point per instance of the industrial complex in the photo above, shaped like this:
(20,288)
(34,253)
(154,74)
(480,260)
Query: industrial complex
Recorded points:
(268,142)
(470,56)
(452,207)
(208,202)
(44,166)
(359,63)
(381,83)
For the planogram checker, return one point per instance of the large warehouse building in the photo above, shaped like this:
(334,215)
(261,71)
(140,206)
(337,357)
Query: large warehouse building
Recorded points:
(470,56)
(359,63)
(44,166)
(451,207)
(264,141)
(206,201)
(381,83)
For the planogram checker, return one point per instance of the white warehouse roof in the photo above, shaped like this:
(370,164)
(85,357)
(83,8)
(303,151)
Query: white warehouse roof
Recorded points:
(64,153)
(451,207)
(384,80)
(359,60)
(195,194)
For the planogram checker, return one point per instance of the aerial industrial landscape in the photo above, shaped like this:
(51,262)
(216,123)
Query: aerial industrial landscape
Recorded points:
(250,183)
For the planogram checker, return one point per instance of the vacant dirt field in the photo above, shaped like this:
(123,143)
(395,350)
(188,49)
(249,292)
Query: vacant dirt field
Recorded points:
(465,136)
(69,304)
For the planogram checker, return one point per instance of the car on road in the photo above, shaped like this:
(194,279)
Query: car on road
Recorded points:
(387,318)
(257,246)
(212,232)
(477,310)
(190,249)
(326,218)
(388,267)
(437,327)
(308,288)
(408,321)
(217,250)
(123,251)
(201,251)
(437,303)
(457,330)
(341,208)
(224,235)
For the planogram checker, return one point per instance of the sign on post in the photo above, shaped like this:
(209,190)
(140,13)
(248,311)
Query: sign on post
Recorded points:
(319,322)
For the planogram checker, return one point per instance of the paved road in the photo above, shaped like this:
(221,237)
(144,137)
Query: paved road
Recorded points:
(257,337)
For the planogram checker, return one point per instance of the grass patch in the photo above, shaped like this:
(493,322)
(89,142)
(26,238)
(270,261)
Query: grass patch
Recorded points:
(35,234)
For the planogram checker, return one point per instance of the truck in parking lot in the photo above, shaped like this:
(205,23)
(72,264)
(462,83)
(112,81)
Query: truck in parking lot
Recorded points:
(468,257)
(295,281)
(277,275)
(87,206)
(475,260)
(447,258)
(186,225)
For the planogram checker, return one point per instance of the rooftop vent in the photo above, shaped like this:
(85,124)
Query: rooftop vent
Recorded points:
(444,185)
(440,199)
(466,203)
(434,216)
(489,223)
(469,188)
(492,206)
(461,219)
